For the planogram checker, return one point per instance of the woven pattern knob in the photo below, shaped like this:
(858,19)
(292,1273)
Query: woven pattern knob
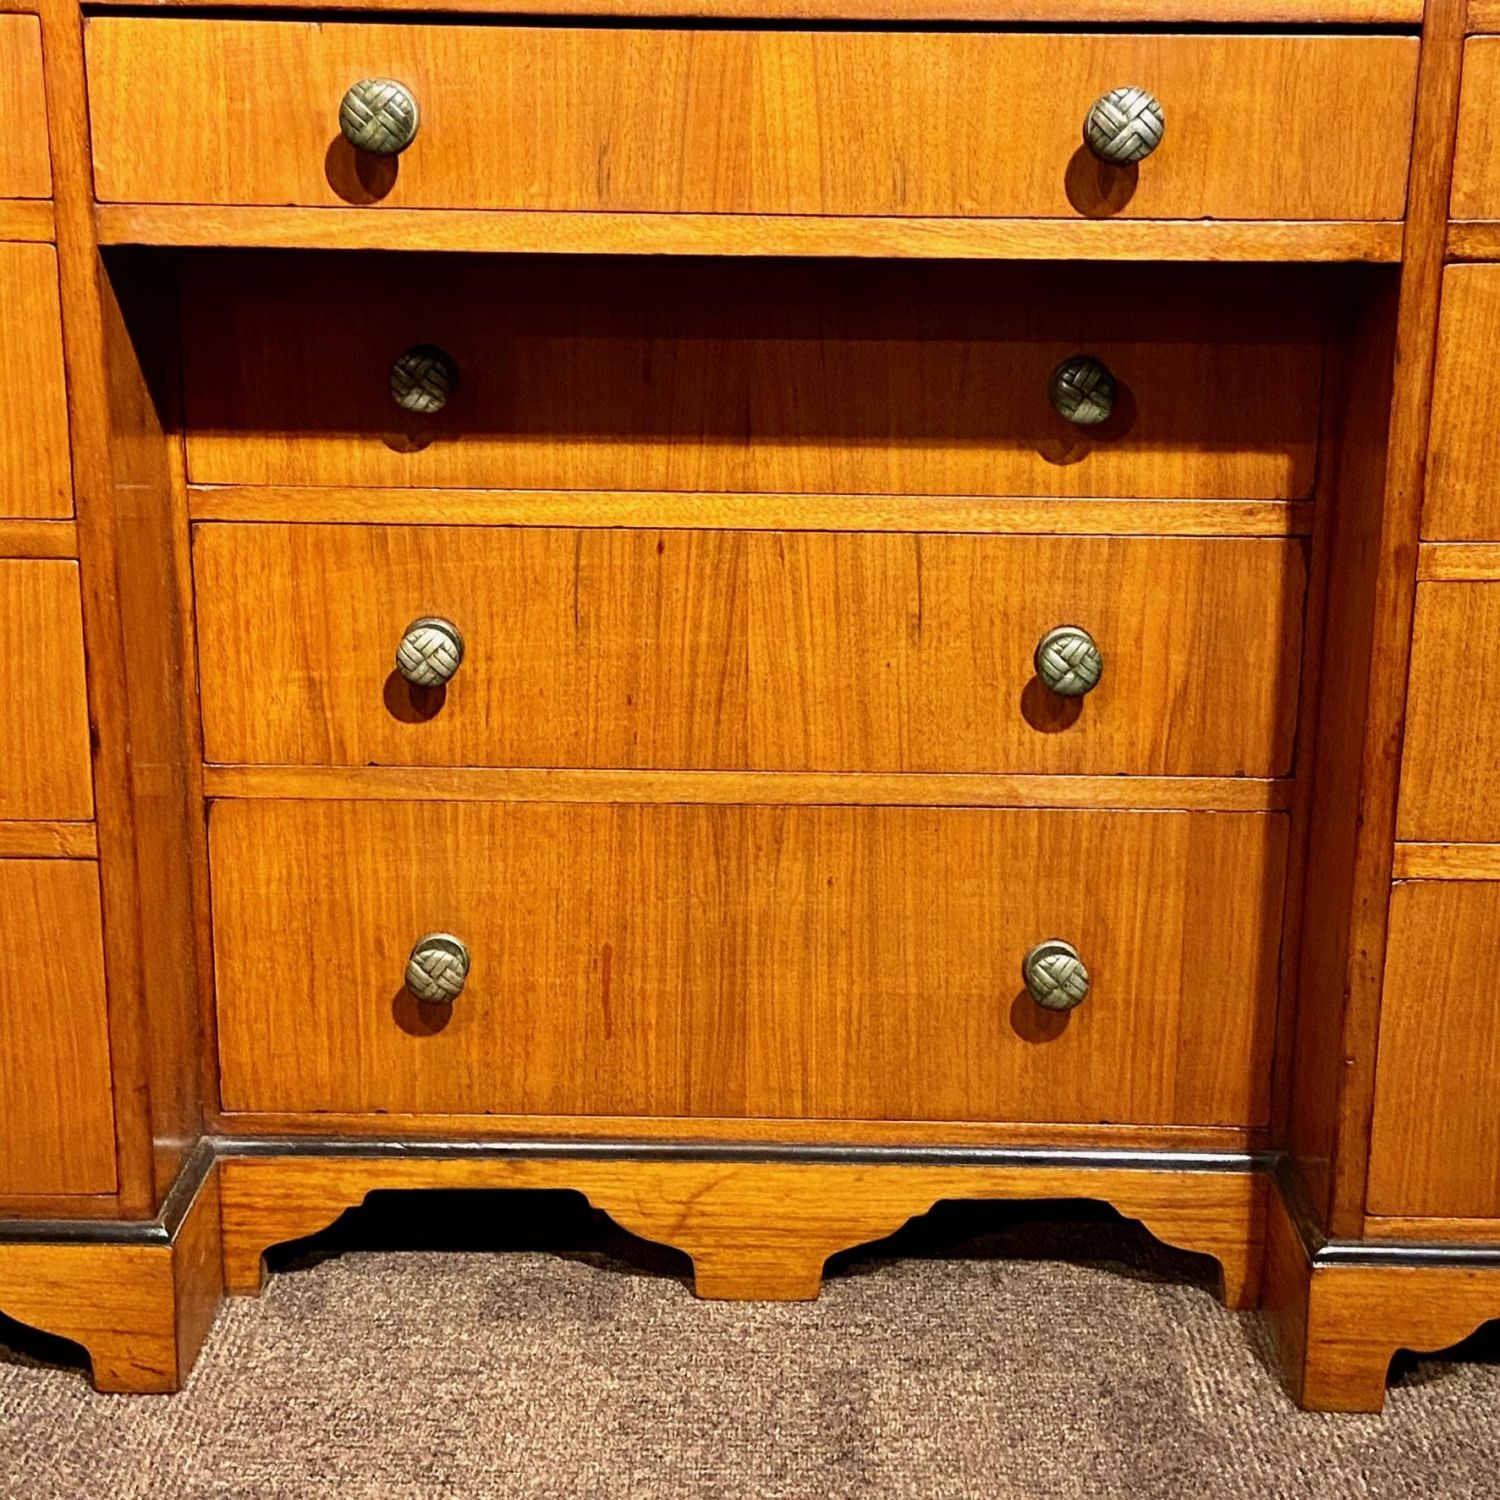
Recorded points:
(1068,661)
(1083,391)
(438,968)
(430,652)
(1055,975)
(1124,126)
(380,116)
(423,379)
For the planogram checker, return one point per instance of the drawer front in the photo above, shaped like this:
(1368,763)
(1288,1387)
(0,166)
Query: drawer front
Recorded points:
(1450,784)
(56,1109)
(794,122)
(801,377)
(717,650)
(25,164)
(1476,155)
(856,963)
(1435,1148)
(45,766)
(35,474)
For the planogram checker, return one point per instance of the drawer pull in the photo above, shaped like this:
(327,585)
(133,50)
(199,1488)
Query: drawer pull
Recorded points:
(423,379)
(1068,661)
(438,968)
(1124,126)
(430,652)
(380,116)
(1083,390)
(1055,975)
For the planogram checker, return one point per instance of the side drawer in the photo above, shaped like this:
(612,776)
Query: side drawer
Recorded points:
(25,163)
(841,963)
(728,650)
(46,770)
(786,121)
(36,476)
(1476,156)
(1435,1144)
(56,1108)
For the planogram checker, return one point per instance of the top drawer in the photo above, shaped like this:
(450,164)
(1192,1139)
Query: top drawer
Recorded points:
(793,122)
(25,171)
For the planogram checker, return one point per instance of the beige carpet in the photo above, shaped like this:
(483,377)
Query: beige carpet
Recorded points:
(953,1361)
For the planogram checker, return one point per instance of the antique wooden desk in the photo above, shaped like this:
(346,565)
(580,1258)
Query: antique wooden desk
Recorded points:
(772,611)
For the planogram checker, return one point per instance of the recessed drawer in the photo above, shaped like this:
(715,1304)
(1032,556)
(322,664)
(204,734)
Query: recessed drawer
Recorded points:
(25,163)
(1435,1147)
(35,474)
(747,121)
(802,377)
(747,650)
(1450,759)
(45,769)
(56,1108)
(745,961)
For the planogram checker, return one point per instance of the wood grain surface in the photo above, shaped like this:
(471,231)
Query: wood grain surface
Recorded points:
(784,121)
(732,650)
(25,165)
(742,376)
(799,962)
(1476,174)
(56,1109)
(45,770)
(35,472)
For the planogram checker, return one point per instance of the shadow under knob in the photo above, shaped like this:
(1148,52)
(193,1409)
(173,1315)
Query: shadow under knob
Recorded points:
(1056,977)
(1068,661)
(423,378)
(380,116)
(430,652)
(438,968)
(1124,126)
(1082,390)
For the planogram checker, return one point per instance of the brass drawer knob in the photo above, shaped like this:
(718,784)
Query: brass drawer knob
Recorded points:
(1124,126)
(438,968)
(430,652)
(1068,661)
(1055,975)
(423,379)
(380,116)
(1083,390)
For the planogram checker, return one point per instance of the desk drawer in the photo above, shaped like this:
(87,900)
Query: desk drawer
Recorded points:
(749,121)
(859,963)
(45,766)
(721,650)
(733,376)
(25,163)
(36,476)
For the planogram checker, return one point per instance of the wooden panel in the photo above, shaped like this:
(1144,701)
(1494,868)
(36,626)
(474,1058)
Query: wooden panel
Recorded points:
(45,769)
(1461,503)
(1476,172)
(743,376)
(1450,785)
(676,960)
(734,650)
(25,168)
(48,841)
(56,1113)
(1436,1143)
(35,476)
(38,539)
(1458,562)
(806,122)
(33,219)
(571,233)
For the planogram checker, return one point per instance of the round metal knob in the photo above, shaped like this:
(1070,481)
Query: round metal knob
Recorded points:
(380,116)
(1082,390)
(423,378)
(438,968)
(1055,975)
(1124,126)
(1068,661)
(430,652)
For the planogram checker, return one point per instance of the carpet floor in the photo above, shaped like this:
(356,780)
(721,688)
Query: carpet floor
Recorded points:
(519,1346)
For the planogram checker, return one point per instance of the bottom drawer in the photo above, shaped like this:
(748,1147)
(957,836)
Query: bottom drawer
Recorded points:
(56,1108)
(1435,1143)
(855,963)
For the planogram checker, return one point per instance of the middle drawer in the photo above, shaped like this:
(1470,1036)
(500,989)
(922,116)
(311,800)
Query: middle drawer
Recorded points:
(734,650)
